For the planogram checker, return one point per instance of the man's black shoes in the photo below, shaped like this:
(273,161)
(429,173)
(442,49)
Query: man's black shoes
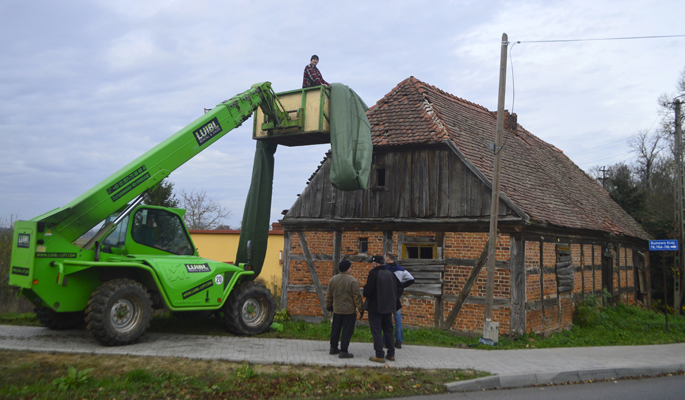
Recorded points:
(345,354)
(334,351)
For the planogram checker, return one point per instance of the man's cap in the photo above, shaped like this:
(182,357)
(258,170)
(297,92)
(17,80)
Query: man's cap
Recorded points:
(344,265)
(378,259)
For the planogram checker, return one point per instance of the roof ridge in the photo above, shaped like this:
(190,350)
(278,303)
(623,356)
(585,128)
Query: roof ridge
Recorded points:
(418,83)
(431,112)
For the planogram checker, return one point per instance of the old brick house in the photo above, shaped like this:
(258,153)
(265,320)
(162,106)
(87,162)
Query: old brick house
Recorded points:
(561,237)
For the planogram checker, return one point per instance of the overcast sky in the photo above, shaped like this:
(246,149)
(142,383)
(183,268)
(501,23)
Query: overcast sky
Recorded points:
(87,86)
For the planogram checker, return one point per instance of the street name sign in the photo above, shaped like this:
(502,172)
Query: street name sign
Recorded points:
(663,245)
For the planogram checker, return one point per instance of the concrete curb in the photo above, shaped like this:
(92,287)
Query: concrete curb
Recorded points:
(551,378)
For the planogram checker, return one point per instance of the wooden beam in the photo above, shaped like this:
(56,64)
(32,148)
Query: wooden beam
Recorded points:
(314,274)
(287,238)
(542,284)
(467,287)
(517,286)
(387,242)
(337,251)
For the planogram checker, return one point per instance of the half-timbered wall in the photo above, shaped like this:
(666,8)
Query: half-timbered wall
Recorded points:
(537,282)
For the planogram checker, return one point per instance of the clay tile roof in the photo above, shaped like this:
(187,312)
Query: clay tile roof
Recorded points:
(536,176)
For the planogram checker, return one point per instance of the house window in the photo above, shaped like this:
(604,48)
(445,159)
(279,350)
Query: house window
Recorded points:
(380,177)
(420,251)
(363,245)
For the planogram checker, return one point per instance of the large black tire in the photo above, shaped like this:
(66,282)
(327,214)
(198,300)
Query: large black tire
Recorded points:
(249,309)
(52,319)
(119,312)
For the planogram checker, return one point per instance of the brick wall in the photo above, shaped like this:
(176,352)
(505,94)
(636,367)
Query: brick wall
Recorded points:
(420,310)
(582,256)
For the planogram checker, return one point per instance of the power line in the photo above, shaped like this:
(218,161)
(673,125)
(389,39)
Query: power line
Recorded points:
(599,39)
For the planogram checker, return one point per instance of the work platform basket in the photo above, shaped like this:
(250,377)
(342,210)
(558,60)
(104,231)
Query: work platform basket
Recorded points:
(310,107)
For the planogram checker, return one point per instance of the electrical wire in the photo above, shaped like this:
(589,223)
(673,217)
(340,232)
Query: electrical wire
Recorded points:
(599,39)
(513,87)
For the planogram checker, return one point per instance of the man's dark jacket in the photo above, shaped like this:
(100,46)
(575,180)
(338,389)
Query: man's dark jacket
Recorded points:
(383,291)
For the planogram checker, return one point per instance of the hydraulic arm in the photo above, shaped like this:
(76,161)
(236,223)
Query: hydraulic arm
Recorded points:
(113,193)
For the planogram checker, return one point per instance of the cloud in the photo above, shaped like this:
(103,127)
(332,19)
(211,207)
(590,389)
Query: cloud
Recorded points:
(86,87)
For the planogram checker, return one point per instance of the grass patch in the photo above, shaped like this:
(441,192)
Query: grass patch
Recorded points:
(608,326)
(69,376)
(24,319)
(619,325)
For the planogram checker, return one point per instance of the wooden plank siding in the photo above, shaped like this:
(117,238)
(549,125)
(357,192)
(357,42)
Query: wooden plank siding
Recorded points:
(419,183)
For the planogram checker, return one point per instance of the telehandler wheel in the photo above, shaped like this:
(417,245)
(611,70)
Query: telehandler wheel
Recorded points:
(249,309)
(52,319)
(119,312)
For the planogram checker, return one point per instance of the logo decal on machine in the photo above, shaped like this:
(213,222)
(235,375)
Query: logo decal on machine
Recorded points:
(24,240)
(219,279)
(198,268)
(197,289)
(20,271)
(207,131)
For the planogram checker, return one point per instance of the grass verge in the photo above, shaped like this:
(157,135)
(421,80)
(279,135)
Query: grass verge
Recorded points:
(27,375)
(611,326)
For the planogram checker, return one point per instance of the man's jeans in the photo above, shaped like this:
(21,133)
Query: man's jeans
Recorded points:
(398,326)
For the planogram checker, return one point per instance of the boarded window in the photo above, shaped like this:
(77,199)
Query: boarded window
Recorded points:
(363,245)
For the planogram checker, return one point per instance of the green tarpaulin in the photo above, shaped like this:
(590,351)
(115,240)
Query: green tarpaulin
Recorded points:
(351,153)
(351,148)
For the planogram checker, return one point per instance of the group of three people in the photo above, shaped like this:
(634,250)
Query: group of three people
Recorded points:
(384,286)
(383,289)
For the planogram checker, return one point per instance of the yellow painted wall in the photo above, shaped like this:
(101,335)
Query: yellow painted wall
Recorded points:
(223,245)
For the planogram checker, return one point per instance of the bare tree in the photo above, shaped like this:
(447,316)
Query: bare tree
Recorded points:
(647,147)
(202,212)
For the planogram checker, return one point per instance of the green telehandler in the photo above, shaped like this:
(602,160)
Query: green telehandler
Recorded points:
(142,258)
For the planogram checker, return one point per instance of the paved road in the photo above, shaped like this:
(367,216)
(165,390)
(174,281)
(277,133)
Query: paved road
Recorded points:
(512,366)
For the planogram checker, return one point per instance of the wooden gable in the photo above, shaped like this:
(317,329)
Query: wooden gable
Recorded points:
(413,183)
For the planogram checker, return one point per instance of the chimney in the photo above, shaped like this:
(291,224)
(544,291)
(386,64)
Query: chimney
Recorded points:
(510,122)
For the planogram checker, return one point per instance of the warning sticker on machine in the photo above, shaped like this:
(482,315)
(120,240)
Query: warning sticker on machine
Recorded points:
(207,131)
(197,289)
(128,178)
(56,255)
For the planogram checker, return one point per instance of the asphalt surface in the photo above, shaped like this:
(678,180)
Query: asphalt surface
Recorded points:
(510,368)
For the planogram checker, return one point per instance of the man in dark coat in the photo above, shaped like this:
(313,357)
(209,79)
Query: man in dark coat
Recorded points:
(382,291)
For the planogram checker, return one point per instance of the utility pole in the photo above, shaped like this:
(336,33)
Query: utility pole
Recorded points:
(490,328)
(679,210)
(603,170)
